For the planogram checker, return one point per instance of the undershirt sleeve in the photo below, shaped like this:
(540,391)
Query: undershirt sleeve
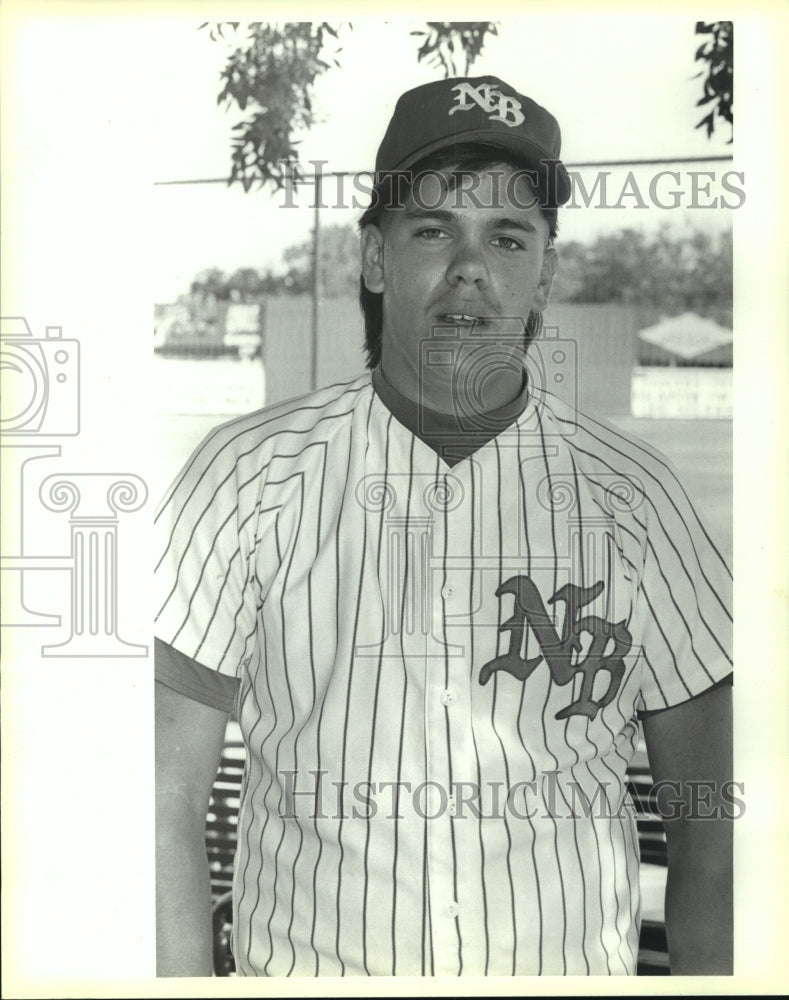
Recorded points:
(727,681)
(190,678)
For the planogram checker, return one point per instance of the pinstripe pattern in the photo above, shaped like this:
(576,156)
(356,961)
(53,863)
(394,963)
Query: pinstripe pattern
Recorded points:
(354,583)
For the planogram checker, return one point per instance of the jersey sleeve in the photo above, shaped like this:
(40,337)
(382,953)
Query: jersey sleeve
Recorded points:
(179,673)
(683,610)
(205,599)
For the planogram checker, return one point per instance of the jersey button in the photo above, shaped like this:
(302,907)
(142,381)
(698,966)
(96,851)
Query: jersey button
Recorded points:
(451,909)
(447,697)
(447,592)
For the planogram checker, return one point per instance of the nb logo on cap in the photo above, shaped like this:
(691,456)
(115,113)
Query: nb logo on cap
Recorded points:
(500,107)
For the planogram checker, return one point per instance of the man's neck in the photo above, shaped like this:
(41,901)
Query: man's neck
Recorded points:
(444,388)
(455,435)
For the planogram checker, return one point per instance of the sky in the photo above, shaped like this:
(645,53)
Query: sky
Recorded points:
(621,88)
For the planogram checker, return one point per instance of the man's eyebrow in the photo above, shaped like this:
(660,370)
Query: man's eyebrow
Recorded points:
(507,222)
(414,211)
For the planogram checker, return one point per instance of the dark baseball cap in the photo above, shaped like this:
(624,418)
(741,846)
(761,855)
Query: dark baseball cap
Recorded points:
(482,110)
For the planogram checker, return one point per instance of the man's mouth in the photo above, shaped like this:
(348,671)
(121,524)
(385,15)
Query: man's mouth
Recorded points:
(462,319)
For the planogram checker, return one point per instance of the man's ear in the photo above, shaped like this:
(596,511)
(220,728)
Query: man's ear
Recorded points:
(372,244)
(550,262)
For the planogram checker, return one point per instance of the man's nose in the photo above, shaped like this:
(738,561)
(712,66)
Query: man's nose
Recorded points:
(468,264)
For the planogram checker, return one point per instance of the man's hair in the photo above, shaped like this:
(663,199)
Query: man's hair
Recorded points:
(392,192)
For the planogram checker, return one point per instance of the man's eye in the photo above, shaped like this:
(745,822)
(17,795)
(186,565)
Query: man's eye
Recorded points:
(433,233)
(507,243)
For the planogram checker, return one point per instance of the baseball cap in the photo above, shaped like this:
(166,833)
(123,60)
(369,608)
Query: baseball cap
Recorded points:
(480,109)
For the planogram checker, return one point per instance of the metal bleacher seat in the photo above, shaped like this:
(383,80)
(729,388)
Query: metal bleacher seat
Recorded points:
(221,844)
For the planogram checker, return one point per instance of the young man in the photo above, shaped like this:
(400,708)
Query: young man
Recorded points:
(438,598)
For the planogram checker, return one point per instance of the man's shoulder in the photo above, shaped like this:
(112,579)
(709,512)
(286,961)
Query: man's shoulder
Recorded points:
(634,476)
(634,483)
(322,411)
(241,449)
(599,441)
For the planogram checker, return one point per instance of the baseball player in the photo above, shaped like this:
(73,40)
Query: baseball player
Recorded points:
(438,599)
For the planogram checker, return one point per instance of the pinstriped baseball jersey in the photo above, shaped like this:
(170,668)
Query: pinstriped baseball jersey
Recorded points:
(440,672)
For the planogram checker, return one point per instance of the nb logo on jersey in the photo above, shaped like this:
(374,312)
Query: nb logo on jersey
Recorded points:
(561,652)
(499,107)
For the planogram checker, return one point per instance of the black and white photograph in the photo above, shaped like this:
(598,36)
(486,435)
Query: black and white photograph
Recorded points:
(375,627)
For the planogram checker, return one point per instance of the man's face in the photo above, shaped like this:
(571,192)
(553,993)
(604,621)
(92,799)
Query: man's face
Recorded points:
(473,256)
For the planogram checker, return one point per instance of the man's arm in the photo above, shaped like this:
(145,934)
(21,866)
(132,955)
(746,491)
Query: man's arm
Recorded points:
(189,740)
(692,743)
